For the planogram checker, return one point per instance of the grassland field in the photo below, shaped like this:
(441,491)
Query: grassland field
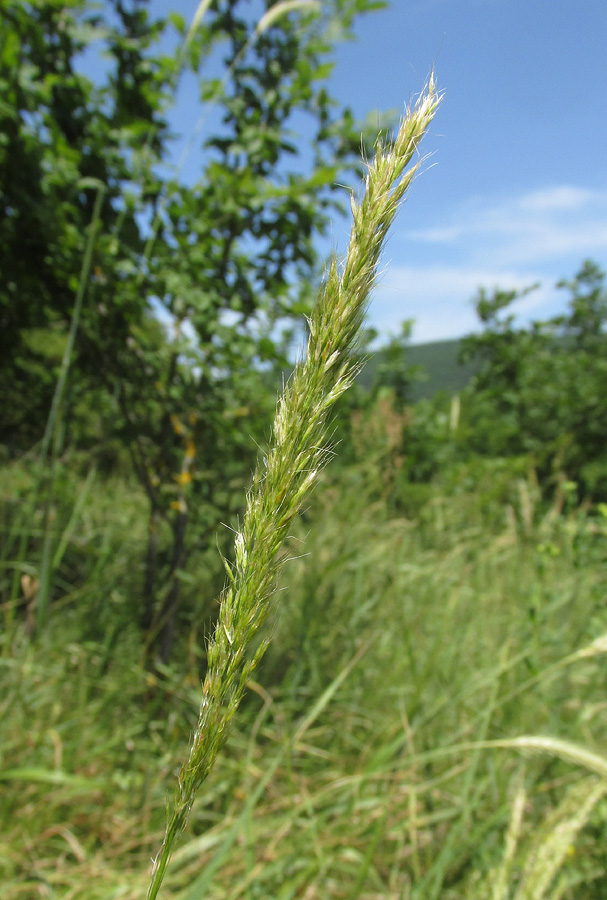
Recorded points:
(370,759)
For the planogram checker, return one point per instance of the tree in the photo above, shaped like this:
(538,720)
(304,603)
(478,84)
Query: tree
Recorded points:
(587,318)
(223,262)
(62,138)
(502,352)
(541,390)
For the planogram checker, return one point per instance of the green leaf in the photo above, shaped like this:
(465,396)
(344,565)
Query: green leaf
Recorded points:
(52,776)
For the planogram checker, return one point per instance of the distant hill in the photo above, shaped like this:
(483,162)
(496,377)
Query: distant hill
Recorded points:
(439,362)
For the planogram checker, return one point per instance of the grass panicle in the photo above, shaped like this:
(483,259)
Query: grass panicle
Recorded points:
(298,451)
(554,840)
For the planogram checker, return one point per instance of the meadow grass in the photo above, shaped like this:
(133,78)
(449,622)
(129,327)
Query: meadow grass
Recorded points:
(370,757)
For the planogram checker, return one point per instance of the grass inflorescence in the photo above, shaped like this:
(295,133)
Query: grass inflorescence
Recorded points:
(297,454)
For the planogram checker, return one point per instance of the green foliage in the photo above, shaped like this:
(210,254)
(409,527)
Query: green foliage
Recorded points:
(221,262)
(62,138)
(540,390)
(521,399)
(84,547)
(451,613)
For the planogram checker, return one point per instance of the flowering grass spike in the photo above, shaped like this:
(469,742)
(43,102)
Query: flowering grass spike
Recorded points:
(298,451)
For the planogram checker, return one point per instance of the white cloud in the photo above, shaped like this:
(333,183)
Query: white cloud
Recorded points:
(439,298)
(563,197)
(509,242)
(533,227)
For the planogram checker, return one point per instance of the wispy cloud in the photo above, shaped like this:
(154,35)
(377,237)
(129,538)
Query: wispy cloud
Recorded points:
(508,242)
(560,198)
(439,298)
(537,226)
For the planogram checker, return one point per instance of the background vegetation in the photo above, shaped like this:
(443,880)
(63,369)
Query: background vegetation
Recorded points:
(452,593)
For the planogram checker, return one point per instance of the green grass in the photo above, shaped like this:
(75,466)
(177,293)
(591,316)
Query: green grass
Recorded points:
(351,771)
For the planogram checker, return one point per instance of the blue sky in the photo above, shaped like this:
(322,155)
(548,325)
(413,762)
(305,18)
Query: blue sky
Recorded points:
(515,189)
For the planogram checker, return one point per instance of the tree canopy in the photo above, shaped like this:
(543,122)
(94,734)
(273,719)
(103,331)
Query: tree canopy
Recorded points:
(192,287)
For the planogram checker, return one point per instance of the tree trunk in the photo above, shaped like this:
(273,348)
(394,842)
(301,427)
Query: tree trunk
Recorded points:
(170,606)
(149,584)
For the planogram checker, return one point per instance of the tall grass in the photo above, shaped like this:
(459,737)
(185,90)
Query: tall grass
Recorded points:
(355,759)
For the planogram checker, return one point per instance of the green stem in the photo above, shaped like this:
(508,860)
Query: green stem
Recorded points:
(53,431)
